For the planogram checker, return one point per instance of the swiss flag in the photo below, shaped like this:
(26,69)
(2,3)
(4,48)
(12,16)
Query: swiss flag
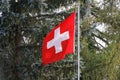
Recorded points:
(59,41)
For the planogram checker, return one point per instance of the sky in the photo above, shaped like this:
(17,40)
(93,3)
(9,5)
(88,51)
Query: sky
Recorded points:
(0,14)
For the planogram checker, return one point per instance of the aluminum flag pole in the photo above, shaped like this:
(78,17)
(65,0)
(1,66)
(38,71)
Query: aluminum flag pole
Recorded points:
(78,40)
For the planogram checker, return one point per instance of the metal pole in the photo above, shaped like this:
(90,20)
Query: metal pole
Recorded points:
(78,40)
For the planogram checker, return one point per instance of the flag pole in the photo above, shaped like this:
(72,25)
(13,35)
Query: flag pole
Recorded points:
(78,40)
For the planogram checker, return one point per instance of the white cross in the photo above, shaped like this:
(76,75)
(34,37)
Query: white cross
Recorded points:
(57,40)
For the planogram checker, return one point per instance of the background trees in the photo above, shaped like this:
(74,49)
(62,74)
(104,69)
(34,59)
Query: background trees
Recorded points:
(24,24)
(101,50)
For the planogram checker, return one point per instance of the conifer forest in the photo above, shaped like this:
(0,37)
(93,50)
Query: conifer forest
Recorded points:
(25,23)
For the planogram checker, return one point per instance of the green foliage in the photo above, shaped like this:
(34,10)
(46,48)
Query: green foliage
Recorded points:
(24,24)
(101,64)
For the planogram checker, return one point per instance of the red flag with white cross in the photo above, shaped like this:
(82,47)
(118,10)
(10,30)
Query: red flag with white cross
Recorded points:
(59,41)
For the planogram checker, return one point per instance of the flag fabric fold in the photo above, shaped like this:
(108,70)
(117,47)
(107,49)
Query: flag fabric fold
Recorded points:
(59,41)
